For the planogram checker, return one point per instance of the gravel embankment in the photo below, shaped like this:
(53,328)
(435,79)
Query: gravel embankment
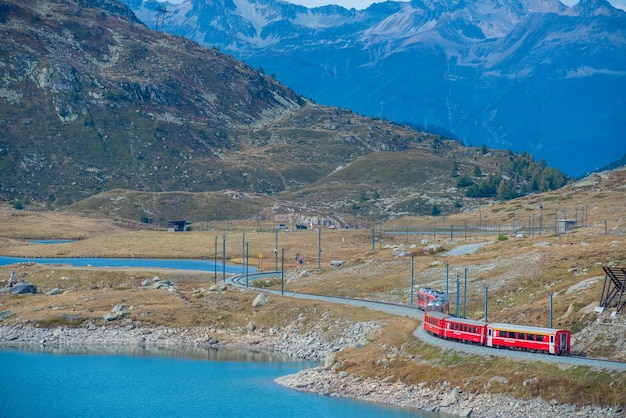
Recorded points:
(442,398)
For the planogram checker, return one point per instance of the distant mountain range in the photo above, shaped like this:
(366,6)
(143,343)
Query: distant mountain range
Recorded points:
(532,75)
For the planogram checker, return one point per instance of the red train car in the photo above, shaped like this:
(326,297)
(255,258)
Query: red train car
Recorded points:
(466,330)
(432,300)
(547,340)
(434,322)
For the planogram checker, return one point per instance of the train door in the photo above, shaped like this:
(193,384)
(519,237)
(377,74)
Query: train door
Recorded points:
(563,348)
(489,343)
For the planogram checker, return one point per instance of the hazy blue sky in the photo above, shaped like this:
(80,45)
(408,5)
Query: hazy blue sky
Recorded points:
(362,4)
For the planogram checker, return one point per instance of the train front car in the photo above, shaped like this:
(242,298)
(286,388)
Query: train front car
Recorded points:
(435,322)
(432,300)
(545,340)
(466,330)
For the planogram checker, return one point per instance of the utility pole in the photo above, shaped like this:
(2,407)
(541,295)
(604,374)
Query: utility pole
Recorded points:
(319,248)
(282,273)
(215,263)
(276,250)
(224,258)
(412,279)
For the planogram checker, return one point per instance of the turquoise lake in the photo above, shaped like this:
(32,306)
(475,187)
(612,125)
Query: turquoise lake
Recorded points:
(178,264)
(40,384)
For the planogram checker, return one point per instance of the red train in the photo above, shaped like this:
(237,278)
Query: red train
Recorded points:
(544,340)
(432,300)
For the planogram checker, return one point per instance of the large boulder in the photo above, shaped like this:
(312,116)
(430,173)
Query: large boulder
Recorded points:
(23,288)
(260,300)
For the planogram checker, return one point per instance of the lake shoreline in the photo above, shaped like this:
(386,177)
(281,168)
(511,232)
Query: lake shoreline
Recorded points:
(324,380)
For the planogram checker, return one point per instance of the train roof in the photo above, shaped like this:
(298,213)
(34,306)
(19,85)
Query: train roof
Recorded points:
(436,314)
(430,291)
(524,328)
(466,321)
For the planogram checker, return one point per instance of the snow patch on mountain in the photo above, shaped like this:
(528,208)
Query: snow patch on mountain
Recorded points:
(318,19)
(402,25)
(258,14)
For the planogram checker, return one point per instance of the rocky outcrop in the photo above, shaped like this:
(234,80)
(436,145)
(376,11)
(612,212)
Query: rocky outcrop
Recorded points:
(23,288)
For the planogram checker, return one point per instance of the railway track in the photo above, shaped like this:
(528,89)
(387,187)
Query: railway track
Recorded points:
(414,312)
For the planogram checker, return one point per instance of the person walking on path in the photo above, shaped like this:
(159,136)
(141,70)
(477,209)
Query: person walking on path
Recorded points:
(299,262)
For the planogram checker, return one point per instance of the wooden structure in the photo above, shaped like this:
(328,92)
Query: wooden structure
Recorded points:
(614,288)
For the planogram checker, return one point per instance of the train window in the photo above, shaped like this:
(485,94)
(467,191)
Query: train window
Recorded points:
(539,338)
(551,338)
(511,334)
(531,337)
(502,333)
(521,336)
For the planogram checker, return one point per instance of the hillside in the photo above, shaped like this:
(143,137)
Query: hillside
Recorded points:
(99,112)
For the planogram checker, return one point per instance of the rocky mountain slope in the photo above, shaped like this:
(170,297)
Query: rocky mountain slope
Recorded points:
(94,103)
(522,74)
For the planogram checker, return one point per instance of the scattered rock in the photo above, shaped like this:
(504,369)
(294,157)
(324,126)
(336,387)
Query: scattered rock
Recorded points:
(400,252)
(451,398)
(5,315)
(220,287)
(541,244)
(118,311)
(161,284)
(260,300)
(433,249)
